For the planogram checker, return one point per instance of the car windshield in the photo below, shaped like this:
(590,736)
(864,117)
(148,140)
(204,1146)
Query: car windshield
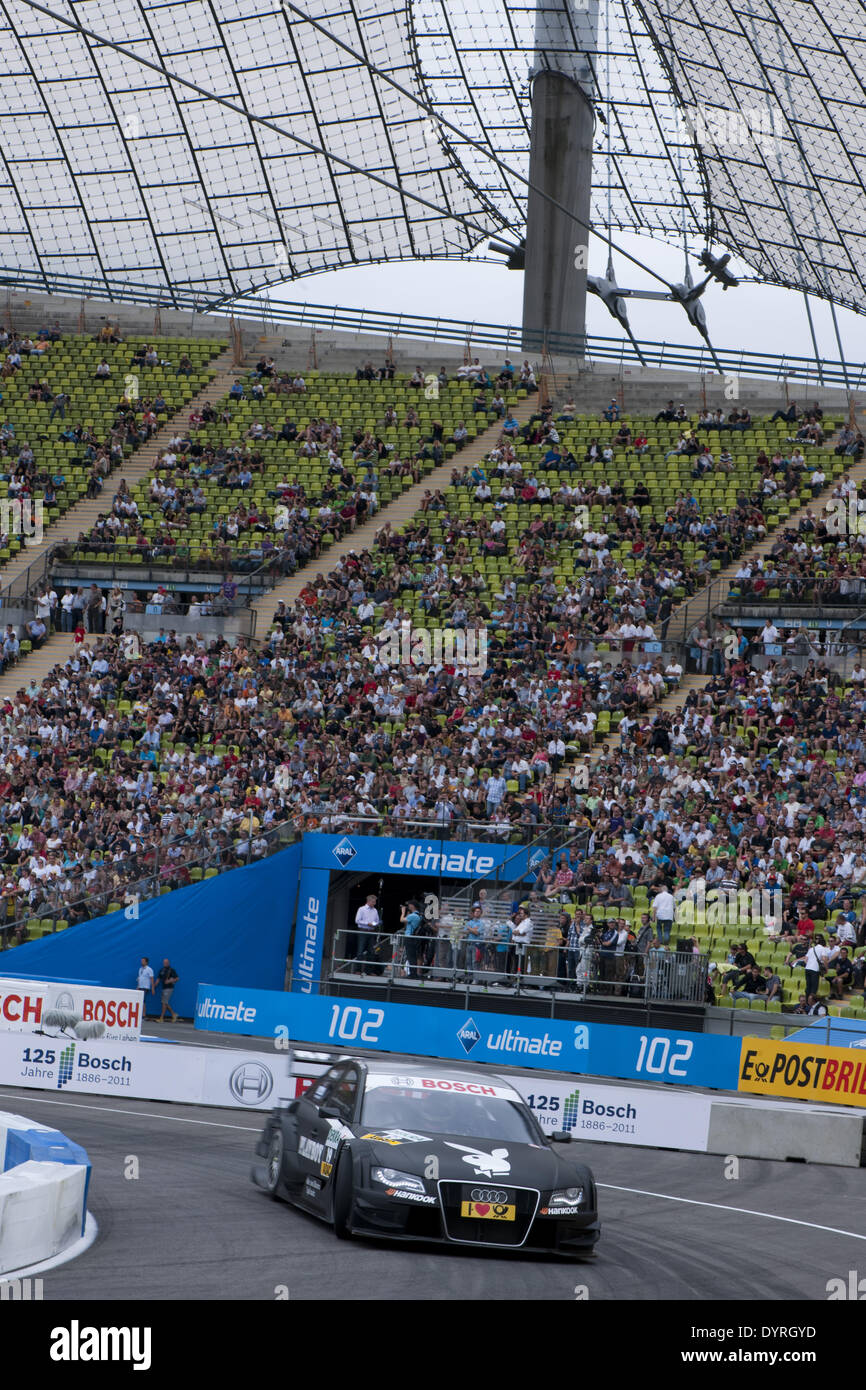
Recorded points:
(447,1112)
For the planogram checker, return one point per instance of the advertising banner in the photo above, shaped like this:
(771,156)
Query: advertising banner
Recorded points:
(148,1071)
(799,1072)
(25,1003)
(599,1049)
(433,858)
(605,1114)
(617,1115)
(310,930)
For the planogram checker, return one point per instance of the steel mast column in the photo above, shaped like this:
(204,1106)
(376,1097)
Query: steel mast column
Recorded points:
(560,165)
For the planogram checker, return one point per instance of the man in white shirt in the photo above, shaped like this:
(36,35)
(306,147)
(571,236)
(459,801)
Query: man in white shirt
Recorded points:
(495,789)
(522,928)
(367,923)
(663,908)
(819,955)
(145,982)
(844,931)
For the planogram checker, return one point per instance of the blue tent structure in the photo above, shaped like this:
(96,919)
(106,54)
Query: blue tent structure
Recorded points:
(230,930)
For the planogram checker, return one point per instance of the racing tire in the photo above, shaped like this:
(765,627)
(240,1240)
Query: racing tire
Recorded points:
(344,1197)
(274,1162)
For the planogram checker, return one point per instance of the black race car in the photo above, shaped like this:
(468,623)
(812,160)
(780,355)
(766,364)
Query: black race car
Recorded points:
(434,1155)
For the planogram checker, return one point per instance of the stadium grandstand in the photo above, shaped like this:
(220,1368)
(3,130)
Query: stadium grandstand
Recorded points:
(270,570)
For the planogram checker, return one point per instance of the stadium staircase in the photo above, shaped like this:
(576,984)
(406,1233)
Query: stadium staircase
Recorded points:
(398,513)
(35,665)
(82,516)
(138,465)
(704,604)
(687,614)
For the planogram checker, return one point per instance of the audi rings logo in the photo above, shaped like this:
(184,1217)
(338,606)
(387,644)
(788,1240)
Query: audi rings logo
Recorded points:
(251,1083)
(488,1194)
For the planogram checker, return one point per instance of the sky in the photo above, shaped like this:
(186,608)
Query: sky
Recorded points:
(762,318)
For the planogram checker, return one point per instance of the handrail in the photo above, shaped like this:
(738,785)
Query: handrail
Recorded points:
(493,335)
(542,840)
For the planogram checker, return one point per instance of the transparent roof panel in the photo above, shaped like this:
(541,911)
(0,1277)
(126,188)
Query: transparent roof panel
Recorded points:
(215,147)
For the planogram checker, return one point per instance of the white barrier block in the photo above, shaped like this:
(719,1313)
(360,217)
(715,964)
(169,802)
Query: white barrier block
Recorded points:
(69,1187)
(41,1211)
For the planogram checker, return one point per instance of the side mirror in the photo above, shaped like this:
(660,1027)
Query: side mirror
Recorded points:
(560,1136)
(330,1111)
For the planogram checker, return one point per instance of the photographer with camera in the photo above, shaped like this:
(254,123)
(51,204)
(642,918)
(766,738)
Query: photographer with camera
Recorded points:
(411,923)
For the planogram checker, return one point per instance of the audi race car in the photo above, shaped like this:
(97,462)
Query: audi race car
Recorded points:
(434,1155)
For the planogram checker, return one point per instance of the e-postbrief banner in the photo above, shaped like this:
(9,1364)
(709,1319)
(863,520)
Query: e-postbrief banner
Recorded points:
(618,1115)
(835,1075)
(24,1004)
(598,1049)
(148,1071)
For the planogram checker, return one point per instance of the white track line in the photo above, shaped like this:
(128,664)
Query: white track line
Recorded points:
(142,1114)
(741,1211)
(608,1187)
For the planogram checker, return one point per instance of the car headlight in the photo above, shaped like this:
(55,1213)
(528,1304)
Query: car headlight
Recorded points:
(566,1197)
(391,1177)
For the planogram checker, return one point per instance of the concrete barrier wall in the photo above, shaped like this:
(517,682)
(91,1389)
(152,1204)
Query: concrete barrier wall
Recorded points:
(43,1192)
(772,1129)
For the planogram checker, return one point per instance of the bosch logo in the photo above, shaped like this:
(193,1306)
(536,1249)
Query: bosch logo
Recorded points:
(488,1194)
(251,1083)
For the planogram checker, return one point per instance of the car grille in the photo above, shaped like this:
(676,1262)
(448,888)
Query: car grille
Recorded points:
(480,1231)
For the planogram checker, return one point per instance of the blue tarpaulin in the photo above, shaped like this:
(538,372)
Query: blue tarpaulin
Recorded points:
(233,929)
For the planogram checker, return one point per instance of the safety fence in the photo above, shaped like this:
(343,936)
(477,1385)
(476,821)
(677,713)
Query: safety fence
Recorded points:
(271,313)
(454,959)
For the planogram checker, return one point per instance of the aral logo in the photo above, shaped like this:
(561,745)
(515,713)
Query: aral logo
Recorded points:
(468,1035)
(344,852)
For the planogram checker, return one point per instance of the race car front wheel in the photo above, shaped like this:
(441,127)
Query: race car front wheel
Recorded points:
(344,1197)
(274,1167)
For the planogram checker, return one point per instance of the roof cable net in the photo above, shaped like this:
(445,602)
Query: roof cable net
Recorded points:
(296,157)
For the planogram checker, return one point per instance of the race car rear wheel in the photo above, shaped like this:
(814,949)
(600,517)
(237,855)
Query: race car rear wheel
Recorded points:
(274,1166)
(344,1197)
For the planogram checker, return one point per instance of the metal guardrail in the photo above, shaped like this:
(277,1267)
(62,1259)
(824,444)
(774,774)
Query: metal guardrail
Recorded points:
(452,960)
(508,338)
(504,337)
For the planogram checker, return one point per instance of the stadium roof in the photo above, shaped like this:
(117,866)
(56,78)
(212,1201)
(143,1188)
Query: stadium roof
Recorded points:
(215,147)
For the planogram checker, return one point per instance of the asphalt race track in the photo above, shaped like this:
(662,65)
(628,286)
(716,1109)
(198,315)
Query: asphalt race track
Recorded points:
(192,1226)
